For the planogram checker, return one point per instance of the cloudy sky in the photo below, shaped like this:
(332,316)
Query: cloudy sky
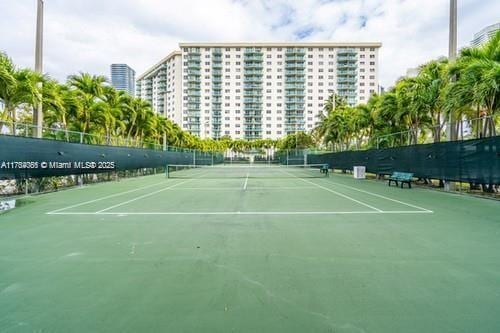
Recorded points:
(89,35)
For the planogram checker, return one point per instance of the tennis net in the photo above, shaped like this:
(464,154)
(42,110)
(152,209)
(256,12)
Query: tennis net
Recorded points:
(246,171)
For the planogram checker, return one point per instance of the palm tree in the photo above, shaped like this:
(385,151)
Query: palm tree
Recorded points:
(88,90)
(17,87)
(430,85)
(477,73)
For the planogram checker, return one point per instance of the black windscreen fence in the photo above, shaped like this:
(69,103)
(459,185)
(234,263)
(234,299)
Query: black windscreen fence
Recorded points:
(475,161)
(22,157)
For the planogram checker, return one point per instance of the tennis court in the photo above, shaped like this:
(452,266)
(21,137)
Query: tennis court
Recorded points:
(250,249)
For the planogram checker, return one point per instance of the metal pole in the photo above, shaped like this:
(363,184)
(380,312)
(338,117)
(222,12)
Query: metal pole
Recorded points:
(452,55)
(38,113)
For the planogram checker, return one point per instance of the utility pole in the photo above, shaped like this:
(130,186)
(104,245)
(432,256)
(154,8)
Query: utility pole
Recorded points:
(38,111)
(452,55)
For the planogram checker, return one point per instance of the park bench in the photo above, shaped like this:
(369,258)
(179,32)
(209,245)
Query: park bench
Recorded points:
(402,177)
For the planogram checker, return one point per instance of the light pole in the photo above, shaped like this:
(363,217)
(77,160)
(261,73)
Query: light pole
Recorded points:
(38,111)
(452,54)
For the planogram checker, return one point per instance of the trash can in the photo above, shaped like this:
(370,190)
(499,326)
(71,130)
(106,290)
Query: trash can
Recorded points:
(359,172)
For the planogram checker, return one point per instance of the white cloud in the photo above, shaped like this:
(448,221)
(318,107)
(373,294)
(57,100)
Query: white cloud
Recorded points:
(89,35)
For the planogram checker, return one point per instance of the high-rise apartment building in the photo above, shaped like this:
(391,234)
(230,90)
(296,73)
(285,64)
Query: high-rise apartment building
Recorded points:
(123,78)
(161,85)
(257,90)
(485,34)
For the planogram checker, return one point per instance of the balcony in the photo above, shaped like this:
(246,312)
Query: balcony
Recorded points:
(294,86)
(294,73)
(252,65)
(347,51)
(346,87)
(347,93)
(294,100)
(295,65)
(294,107)
(347,58)
(252,51)
(293,58)
(296,79)
(254,72)
(193,87)
(252,79)
(351,79)
(347,65)
(252,100)
(193,79)
(295,51)
(252,107)
(254,85)
(344,72)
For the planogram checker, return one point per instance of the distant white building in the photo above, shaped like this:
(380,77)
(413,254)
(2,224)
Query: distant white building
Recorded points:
(485,34)
(257,90)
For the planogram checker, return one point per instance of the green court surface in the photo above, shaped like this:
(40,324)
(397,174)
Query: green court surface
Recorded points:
(250,251)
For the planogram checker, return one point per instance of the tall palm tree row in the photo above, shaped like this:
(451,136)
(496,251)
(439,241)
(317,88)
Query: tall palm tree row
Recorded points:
(418,108)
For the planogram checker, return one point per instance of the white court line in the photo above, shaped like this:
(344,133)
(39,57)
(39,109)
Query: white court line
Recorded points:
(248,188)
(249,213)
(103,198)
(246,182)
(337,193)
(383,197)
(144,196)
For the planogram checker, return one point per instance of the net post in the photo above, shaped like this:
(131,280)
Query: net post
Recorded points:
(166,171)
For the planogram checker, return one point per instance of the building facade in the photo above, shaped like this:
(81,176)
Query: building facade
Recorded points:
(123,78)
(257,90)
(161,85)
(485,34)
